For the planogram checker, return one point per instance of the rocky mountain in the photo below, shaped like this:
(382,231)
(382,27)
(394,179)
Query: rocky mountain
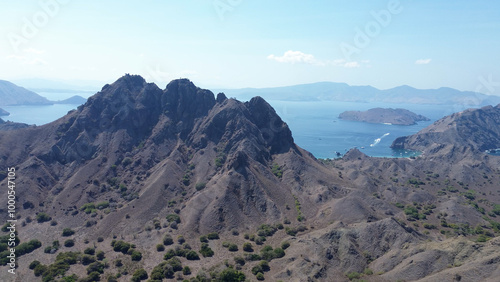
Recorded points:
(331,91)
(475,130)
(11,94)
(381,115)
(153,179)
(4,112)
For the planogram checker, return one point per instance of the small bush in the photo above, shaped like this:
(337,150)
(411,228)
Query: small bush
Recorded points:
(200,186)
(247,247)
(192,255)
(285,245)
(139,275)
(167,240)
(233,248)
(43,217)
(69,243)
(173,218)
(89,251)
(136,256)
(213,236)
(160,248)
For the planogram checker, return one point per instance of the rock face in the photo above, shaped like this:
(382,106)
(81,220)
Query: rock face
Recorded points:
(137,163)
(11,94)
(476,130)
(380,115)
(4,112)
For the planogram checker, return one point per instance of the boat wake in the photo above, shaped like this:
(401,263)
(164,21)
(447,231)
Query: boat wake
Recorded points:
(378,140)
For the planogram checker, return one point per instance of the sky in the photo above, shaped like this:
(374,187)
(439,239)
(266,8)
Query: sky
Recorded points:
(255,43)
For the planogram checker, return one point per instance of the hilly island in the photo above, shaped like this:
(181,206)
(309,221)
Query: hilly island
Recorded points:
(142,183)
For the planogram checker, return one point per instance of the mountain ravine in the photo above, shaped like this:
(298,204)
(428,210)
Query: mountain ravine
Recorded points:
(141,183)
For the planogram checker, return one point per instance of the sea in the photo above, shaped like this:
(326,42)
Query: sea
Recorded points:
(315,125)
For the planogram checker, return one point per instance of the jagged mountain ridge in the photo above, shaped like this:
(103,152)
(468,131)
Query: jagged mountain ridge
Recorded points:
(166,125)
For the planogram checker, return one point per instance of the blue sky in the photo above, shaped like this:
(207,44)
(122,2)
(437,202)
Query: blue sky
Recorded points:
(254,43)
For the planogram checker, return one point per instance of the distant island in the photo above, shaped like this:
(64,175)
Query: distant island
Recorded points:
(4,112)
(74,100)
(381,115)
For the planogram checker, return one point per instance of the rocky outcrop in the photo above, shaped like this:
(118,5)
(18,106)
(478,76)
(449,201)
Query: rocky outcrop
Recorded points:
(475,130)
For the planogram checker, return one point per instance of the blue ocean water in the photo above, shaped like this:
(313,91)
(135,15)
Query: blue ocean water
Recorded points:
(315,125)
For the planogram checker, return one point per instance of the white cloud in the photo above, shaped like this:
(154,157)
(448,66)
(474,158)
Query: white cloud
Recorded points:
(423,61)
(294,57)
(27,60)
(347,64)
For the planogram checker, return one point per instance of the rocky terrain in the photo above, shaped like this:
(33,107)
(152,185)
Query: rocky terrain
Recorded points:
(182,184)
(8,125)
(381,115)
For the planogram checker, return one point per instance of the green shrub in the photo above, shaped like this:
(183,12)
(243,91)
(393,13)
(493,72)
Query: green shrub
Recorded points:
(206,251)
(88,208)
(34,264)
(87,259)
(200,186)
(285,245)
(192,255)
(239,260)
(173,218)
(213,236)
(277,170)
(233,248)
(353,275)
(186,270)
(247,247)
(43,217)
(89,251)
(167,240)
(102,205)
(100,255)
(96,267)
(230,274)
(160,248)
(69,243)
(203,239)
(260,276)
(67,232)
(28,247)
(136,256)
(139,275)
(121,246)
